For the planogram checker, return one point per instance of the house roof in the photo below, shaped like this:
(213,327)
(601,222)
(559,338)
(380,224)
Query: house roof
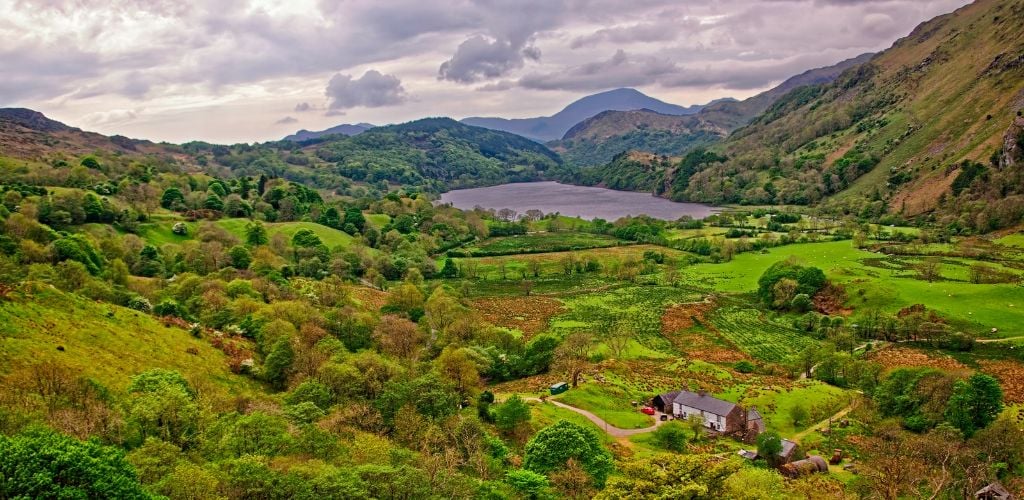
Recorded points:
(668,397)
(753,415)
(705,403)
(994,490)
(787,448)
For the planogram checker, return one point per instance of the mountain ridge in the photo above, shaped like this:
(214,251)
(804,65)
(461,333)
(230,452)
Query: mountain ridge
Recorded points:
(547,128)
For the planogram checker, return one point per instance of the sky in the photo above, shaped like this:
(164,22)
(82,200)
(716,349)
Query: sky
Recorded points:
(231,71)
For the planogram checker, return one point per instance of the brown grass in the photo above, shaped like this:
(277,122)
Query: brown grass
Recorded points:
(901,357)
(370,298)
(1010,375)
(529,315)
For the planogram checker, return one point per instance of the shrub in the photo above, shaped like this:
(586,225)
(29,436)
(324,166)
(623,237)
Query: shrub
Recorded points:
(744,366)
(671,436)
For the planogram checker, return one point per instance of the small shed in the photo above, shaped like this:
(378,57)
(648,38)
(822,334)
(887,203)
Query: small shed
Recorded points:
(559,388)
(663,402)
(994,491)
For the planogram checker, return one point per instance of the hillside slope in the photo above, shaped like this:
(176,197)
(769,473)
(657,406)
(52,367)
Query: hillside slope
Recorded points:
(894,134)
(548,128)
(597,139)
(343,129)
(438,153)
(29,135)
(104,341)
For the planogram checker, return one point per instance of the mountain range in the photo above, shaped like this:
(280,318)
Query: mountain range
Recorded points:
(343,129)
(548,128)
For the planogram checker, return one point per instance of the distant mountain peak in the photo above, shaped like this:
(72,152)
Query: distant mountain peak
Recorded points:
(546,128)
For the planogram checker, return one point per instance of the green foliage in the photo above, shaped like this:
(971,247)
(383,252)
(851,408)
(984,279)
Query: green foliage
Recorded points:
(278,363)
(256,234)
(677,475)
(529,484)
(672,436)
(312,392)
(306,238)
(744,366)
(554,445)
(511,414)
(40,463)
(769,445)
(975,403)
(808,281)
(240,257)
(77,248)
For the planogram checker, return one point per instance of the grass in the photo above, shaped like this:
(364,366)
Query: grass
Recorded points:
(106,342)
(777,404)
(544,415)
(873,283)
(542,243)
(329,236)
(1013,240)
(611,403)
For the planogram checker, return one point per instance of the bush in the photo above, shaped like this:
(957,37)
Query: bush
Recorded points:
(671,436)
(140,303)
(180,229)
(744,366)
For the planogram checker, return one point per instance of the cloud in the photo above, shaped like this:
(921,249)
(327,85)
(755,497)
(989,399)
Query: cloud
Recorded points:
(620,70)
(114,116)
(286,120)
(480,58)
(303,107)
(372,90)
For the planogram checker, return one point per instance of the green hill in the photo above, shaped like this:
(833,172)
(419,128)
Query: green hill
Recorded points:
(103,341)
(437,153)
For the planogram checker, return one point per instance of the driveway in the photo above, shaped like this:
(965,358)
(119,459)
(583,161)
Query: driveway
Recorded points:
(609,428)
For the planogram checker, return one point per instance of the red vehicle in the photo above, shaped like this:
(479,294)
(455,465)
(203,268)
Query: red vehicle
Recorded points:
(647,410)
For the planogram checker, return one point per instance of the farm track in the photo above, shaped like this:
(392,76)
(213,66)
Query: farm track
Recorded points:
(600,422)
(838,415)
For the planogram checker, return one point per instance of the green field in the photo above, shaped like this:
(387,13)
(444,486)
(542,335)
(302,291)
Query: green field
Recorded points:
(542,242)
(611,403)
(329,236)
(757,336)
(872,282)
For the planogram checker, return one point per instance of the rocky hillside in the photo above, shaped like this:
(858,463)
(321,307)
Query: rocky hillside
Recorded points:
(598,139)
(29,135)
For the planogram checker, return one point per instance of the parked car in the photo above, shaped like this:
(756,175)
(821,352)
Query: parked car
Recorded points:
(647,410)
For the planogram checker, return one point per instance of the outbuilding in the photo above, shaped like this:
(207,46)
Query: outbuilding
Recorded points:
(559,388)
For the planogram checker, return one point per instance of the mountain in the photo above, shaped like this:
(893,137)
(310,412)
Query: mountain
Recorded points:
(547,128)
(930,127)
(29,135)
(343,129)
(438,154)
(598,139)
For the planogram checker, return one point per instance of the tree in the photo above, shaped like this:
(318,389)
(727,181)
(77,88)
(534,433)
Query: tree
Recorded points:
(39,463)
(278,363)
(529,484)
(930,269)
(573,355)
(619,337)
(240,257)
(670,475)
(769,445)
(671,436)
(214,202)
(449,270)
(172,199)
(456,366)
(511,415)
(799,415)
(975,403)
(697,426)
(256,234)
(552,447)
(331,218)
(398,337)
(306,238)
(754,484)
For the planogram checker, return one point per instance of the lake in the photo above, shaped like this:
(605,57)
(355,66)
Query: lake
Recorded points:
(574,201)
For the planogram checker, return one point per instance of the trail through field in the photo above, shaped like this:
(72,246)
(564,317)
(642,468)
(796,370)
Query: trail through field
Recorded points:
(600,422)
(1005,339)
(840,414)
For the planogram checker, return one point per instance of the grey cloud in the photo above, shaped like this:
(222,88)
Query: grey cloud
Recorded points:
(480,58)
(286,120)
(372,90)
(302,107)
(620,70)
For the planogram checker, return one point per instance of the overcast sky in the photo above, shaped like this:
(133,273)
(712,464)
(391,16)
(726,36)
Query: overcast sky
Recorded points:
(254,70)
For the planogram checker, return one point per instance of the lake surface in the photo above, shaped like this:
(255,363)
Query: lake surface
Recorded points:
(574,201)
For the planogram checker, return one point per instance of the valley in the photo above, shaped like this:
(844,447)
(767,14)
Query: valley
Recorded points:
(813,292)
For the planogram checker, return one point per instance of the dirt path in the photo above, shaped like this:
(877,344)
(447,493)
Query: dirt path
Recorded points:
(1004,339)
(839,415)
(609,428)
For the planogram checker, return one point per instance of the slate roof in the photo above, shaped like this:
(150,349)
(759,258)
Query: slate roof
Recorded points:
(669,397)
(787,448)
(704,402)
(753,415)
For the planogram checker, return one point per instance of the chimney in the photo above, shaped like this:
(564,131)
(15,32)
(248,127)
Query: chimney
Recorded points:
(702,392)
